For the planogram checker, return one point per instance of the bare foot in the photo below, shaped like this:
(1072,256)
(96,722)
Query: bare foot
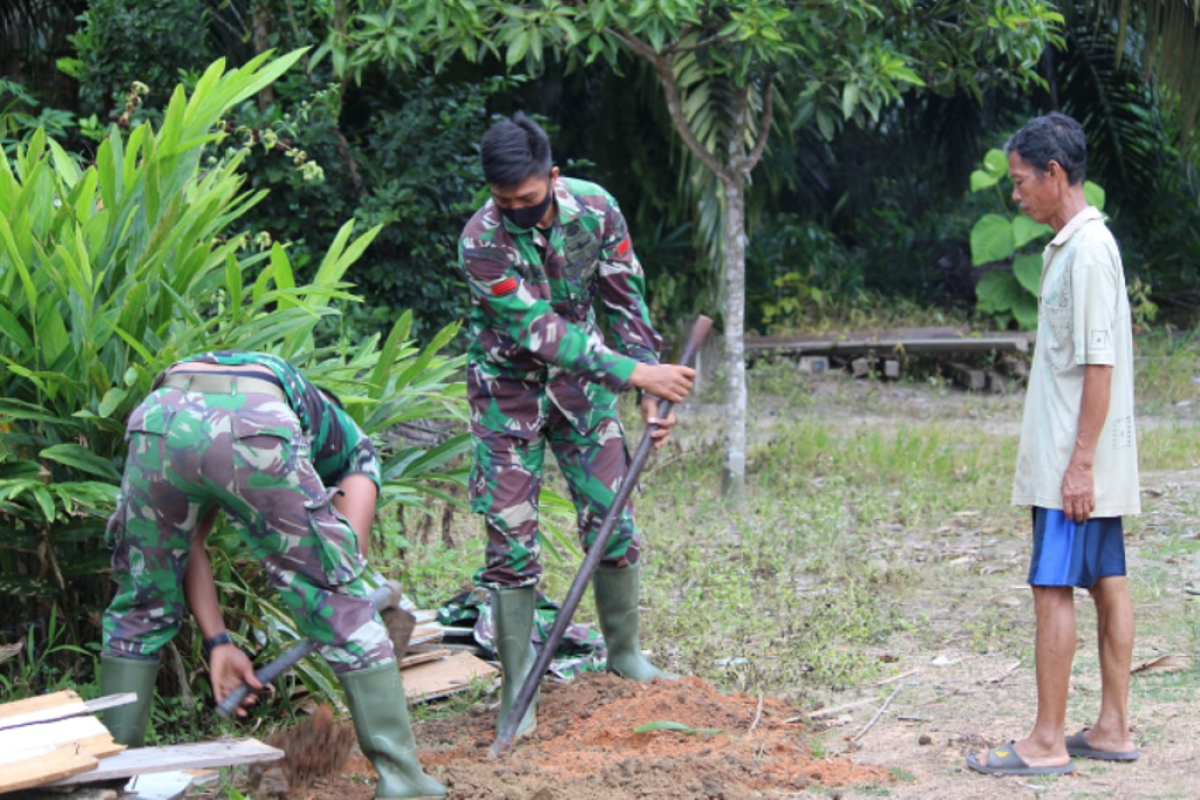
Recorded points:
(1108,741)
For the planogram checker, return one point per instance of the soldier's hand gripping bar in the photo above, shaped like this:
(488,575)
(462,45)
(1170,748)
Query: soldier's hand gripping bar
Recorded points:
(385,596)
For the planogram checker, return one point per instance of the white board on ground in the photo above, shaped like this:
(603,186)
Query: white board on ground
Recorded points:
(60,705)
(142,760)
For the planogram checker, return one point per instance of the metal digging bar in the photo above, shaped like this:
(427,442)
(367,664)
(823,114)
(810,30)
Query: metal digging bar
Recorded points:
(508,727)
(381,598)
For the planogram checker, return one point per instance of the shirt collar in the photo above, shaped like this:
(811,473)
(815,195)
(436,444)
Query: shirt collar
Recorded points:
(1074,224)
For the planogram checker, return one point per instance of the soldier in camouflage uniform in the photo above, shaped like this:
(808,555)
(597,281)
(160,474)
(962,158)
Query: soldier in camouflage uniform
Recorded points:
(536,257)
(248,434)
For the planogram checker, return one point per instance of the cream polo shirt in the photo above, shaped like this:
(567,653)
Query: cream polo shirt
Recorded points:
(1083,318)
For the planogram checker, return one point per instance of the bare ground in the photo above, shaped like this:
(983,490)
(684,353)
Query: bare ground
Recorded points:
(967,682)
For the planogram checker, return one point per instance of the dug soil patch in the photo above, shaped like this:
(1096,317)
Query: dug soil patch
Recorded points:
(586,746)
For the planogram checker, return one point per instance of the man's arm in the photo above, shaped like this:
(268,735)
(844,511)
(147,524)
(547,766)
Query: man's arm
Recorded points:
(228,665)
(355,501)
(1078,486)
(533,323)
(622,288)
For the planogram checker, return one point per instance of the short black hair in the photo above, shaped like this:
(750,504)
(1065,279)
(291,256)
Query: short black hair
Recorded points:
(513,150)
(1053,137)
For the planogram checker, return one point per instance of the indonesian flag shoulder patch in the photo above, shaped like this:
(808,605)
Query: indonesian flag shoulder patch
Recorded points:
(506,286)
(623,247)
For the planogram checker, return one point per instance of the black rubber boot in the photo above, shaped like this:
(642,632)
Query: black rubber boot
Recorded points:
(512,617)
(127,723)
(616,592)
(375,697)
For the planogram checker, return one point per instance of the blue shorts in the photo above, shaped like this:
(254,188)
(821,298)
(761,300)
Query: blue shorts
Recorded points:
(1067,553)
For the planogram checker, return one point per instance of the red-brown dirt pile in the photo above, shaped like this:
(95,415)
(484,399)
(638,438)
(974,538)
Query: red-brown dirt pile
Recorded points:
(585,747)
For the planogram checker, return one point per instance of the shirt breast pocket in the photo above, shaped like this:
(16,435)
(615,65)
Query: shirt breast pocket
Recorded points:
(581,251)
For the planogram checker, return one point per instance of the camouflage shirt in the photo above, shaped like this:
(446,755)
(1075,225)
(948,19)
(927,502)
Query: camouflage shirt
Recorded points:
(339,446)
(533,301)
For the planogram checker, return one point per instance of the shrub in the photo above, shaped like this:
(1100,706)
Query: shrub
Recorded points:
(111,272)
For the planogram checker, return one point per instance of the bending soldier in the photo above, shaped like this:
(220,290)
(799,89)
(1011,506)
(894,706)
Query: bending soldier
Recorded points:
(536,257)
(248,434)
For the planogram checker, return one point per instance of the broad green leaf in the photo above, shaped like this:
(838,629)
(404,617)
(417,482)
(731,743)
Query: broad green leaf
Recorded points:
(996,162)
(825,123)
(233,286)
(14,330)
(1025,230)
(517,47)
(991,239)
(45,502)
(849,99)
(670,725)
(1028,269)
(997,291)
(1094,194)
(1025,311)
(112,399)
(981,180)
(73,455)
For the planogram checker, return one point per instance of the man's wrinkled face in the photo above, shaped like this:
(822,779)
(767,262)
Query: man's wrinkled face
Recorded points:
(1037,193)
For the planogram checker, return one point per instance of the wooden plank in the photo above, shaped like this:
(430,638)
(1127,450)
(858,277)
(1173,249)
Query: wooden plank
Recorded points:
(804,340)
(88,731)
(42,701)
(422,657)
(445,677)
(64,761)
(884,343)
(73,708)
(143,760)
(426,634)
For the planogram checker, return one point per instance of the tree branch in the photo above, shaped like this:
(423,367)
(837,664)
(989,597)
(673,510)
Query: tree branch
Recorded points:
(663,64)
(635,44)
(764,125)
(700,45)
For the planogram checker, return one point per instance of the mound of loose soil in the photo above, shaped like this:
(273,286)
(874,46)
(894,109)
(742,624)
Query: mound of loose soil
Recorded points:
(585,747)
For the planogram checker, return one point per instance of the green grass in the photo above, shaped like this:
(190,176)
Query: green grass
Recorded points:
(843,553)
(1171,445)
(1164,367)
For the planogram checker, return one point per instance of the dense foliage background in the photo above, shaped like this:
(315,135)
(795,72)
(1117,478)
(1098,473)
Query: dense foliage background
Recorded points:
(876,213)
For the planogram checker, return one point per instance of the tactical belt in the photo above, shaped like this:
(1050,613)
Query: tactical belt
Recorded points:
(211,383)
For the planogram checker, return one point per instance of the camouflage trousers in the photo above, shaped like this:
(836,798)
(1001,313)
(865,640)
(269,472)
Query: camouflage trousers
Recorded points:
(506,480)
(245,454)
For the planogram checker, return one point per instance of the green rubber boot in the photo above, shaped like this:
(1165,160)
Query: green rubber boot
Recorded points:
(616,592)
(127,723)
(375,697)
(512,617)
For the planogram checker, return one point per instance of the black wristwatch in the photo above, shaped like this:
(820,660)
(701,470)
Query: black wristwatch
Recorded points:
(210,644)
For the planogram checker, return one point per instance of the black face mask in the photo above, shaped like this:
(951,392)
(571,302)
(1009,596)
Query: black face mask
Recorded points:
(525,218)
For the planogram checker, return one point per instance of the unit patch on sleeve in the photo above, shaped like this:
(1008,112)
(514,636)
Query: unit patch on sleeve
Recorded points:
(506,286)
